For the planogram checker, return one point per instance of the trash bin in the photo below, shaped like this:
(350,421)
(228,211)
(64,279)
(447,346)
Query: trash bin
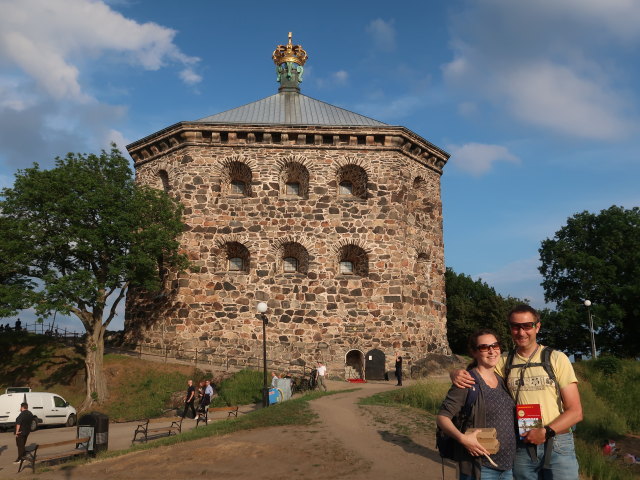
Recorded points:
(96,426)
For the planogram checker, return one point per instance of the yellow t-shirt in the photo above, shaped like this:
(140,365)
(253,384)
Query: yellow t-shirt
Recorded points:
(537,386)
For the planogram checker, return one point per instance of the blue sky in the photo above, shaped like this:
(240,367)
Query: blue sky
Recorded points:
(537,102)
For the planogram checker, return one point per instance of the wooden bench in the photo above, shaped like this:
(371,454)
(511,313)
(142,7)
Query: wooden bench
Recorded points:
(31,452)
(147,429)
(204,416)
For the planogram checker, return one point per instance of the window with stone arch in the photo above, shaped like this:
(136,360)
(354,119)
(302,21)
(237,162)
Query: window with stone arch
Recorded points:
(164,180)
(422,264)
(352,182)
(237,179)
(293,258)
(353,261)
(236,258)
(294,180)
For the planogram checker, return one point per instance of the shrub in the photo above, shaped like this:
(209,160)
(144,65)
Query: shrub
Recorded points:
(243,388)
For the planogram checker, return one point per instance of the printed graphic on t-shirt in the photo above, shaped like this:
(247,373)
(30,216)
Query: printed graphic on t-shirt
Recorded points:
(539,382)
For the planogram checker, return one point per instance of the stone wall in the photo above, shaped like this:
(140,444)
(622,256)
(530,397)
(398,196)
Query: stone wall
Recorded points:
(390,228)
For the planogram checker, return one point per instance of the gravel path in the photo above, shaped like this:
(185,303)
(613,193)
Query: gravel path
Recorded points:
(349,442)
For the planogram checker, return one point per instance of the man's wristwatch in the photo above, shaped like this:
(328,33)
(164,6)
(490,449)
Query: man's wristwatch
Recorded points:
(549,432)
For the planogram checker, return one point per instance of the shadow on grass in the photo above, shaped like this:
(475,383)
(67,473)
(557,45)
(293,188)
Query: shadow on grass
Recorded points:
(23,355)
(409,445)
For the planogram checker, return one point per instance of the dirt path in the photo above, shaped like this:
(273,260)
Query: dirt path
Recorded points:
(348,442)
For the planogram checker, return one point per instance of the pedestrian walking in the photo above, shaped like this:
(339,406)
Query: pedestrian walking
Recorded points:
(189,400)
(321,373)
(23,429)
(399,370)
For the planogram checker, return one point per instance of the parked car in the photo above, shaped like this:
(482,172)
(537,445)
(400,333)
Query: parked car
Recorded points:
(47,408)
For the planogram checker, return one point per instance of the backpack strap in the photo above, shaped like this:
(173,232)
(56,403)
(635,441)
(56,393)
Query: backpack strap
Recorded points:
(472,397)
(545,362)
(509,363)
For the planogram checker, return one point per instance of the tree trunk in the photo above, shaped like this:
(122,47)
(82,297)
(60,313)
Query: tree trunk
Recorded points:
(94,356)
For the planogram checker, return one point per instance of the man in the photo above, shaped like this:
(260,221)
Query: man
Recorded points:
(529,383)
(189,399)
(23,428)
(399,370)
(321,371)
(274,380)
(208,392)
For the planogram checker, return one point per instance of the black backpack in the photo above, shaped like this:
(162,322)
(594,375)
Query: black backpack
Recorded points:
(447,445)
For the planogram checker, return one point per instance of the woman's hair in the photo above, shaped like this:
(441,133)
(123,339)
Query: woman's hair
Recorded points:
(473,342)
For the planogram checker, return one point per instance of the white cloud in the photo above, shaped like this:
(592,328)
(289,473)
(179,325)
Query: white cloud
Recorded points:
(479,158)
(335,79)
(190,77)
(383,34)
(47,40)
(520,279)
(49,50)
(340,77)
(555,97)
(542,64)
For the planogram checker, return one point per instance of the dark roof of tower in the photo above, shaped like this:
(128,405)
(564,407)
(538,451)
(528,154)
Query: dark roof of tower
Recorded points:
(291,108)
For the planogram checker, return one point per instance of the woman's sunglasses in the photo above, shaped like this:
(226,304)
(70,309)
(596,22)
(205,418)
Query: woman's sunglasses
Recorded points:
(483,347)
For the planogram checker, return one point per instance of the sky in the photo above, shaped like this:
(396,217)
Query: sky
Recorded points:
(537,102)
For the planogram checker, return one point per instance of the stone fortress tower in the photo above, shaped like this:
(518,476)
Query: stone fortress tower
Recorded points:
(332,218)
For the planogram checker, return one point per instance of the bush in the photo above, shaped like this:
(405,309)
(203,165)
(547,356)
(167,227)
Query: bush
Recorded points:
(426,395)
(243,388)
(608,365)
(617,383)
(147,397)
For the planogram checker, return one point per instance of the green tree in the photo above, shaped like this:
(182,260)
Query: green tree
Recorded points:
(76,237)
(471,305)
(596,257)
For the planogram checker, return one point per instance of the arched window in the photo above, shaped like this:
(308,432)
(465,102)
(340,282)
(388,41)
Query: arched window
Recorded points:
(422,264)
(294,258)
(164,180)
(237,257)
(293,189)
(290,264)
(345,188)
(352,181)
(346,267)
(238,187)
(419,183)
(237,179)
(294,180)
(353,260)
(236,264)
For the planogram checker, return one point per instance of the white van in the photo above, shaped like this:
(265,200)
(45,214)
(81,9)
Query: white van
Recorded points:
(47,408)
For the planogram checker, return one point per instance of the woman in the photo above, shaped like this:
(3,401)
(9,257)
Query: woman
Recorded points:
(494,408)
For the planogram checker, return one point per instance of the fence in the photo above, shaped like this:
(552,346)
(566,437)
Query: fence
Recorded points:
(203,358)
(48,329)
(207,359)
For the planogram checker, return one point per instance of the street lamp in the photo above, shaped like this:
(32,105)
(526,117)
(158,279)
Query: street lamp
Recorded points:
(262,307)
(594,354)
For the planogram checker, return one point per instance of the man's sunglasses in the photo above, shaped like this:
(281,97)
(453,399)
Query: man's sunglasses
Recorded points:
(483,347)
(526,326)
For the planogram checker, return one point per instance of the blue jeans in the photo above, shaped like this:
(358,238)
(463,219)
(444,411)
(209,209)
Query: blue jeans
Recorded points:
(490,474)
(563,466)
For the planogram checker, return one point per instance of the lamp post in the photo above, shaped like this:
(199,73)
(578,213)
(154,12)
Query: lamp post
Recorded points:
(594,354)
(262,307)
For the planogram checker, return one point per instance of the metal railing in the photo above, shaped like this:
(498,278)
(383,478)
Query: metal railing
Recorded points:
(48,329)
(205,358)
